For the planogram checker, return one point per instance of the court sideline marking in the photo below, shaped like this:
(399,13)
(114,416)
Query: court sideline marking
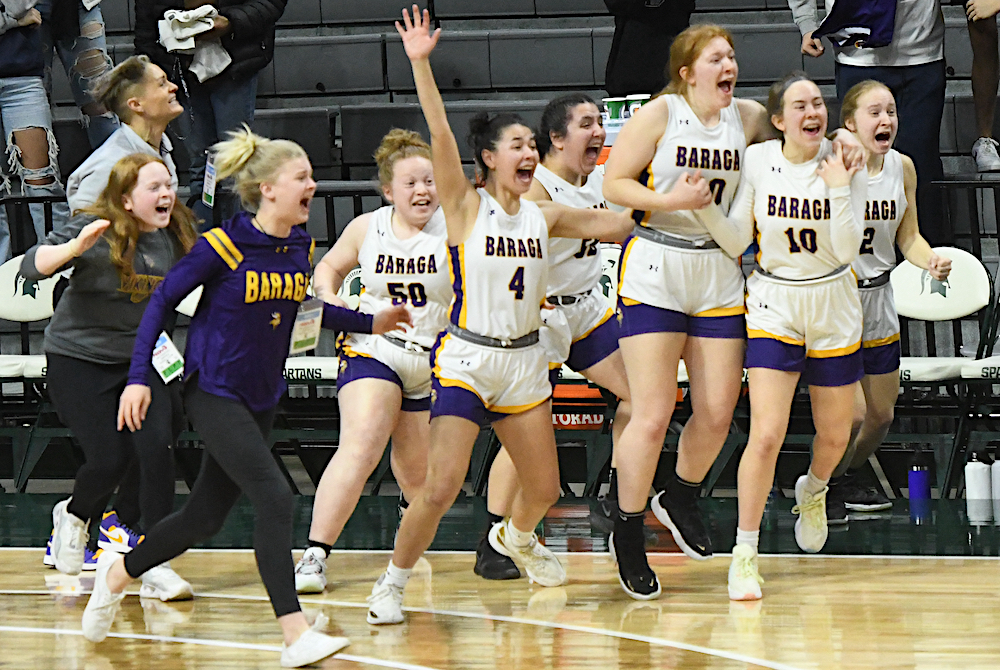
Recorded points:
(654,641)
(398,665)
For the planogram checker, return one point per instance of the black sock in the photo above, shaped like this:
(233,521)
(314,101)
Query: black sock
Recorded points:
(492,519)
(629,534)
(327,548)
(403,502)
(613,485)
(681,488)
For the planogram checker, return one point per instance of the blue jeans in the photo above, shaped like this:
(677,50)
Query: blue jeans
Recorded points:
(216,108)
(84,58)
(919,93)
(23,105)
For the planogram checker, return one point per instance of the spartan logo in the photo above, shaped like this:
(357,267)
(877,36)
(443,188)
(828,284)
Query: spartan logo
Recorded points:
(607,287)
(25,286)
(936,286)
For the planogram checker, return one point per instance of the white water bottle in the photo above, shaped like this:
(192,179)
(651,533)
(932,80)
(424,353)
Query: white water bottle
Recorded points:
(996,491)
(978,490)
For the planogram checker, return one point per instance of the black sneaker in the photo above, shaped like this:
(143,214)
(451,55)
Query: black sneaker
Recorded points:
(860,498)
(602,516)
(634,574)
(683,518)
(491,564)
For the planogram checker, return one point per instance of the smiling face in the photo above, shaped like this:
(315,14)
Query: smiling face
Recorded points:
(514,159)
(581,145)
(875,120)
(804,116)
(152,199)
(711,79)
(412,191)
(158,96)
(291,190)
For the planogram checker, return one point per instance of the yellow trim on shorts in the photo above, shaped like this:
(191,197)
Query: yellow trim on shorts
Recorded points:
(351,353)
(724,311)
(554,366)
(629,302)
(224,247)
(621,268)
(755,334)
(833,353)
(881,342)
(444,381)
(607,315)
(516,409)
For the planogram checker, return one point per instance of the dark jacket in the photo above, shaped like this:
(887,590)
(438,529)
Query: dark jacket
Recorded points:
(250,40)
(640,48)
(21,53)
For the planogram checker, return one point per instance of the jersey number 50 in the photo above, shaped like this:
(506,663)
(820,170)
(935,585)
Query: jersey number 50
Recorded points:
(400,293)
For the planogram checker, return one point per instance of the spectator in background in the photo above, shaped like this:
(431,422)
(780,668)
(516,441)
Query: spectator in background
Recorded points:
(224,102)
(640,48)
(913,68)
(146,101)
(76,34)
(985,77)
(25,116)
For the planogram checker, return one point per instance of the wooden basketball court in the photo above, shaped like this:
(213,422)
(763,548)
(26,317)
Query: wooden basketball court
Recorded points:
(818,612)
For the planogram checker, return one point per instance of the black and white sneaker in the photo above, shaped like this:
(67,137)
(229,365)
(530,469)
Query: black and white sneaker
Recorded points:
(602,515)
(683,518)
(634,574)
(492,565)
(861,498)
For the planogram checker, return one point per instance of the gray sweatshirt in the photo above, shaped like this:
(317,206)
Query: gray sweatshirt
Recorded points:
(99,312)
(90,179)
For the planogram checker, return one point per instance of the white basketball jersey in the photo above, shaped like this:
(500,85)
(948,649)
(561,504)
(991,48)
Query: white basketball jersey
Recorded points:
(574,265)
(411,272)
(883,212)
(794,214)
(500,273)
(687,146)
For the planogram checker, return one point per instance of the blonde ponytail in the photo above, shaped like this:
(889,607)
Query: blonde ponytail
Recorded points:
(252,160)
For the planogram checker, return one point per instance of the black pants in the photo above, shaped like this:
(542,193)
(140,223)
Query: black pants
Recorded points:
(86,398)
(237,459)
(919,93)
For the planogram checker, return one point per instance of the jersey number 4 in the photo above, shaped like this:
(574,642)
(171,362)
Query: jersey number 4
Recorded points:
(400,293)
(517,283)
(807,237)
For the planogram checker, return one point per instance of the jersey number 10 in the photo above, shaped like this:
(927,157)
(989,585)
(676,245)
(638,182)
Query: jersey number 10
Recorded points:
(807,237)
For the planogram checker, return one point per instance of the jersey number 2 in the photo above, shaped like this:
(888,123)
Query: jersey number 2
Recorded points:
(517,283)
(866,243)
(416,294)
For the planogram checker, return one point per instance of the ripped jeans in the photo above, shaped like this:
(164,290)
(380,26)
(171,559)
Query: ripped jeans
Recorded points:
(23,105)
(84,59)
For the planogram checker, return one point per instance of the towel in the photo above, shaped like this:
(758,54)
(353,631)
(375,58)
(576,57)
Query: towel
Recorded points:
(178,30)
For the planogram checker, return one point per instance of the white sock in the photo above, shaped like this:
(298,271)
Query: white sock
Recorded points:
(749,538)
(519,538)
(814,484)
(397,576)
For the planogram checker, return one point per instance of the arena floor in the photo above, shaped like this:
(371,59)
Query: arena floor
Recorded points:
(899,606)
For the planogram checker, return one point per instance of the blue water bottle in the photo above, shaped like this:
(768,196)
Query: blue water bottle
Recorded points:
(919,482)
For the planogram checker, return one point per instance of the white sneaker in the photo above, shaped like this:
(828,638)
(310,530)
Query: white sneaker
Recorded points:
(385,604)
(810,528)
(539,562)
(744,578)
(163,583)
(310,571)
(985,153)
(103,604)
(69,539)
(312,646)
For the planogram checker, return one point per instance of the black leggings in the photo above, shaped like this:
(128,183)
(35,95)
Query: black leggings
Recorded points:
(237,459)
(86,397)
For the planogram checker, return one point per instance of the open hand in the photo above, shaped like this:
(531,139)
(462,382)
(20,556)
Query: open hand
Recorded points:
(834,172)
(691,191)
(418,41)
(392,318)
(88,236)
(939,266)
(133,405)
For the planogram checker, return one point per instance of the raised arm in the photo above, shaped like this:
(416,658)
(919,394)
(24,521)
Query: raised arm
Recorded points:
(459,199)
(61,247)
(632,153)
(339,261)
(585,223)
(908,238)
(848,188)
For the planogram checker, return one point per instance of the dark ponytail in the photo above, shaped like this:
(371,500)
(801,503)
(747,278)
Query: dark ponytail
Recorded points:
(556,117)
(485,131)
